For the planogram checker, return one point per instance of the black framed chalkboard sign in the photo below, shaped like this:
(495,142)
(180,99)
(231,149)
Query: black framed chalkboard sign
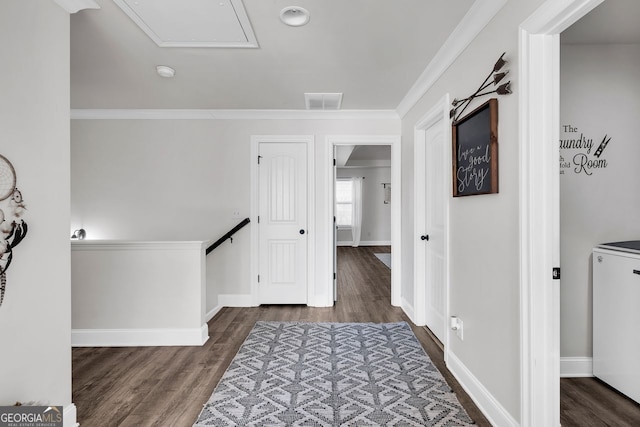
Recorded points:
(475,151)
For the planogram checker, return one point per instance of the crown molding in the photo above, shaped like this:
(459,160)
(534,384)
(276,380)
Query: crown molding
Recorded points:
(477,17)
(545,19)
(185,114)
(73,6)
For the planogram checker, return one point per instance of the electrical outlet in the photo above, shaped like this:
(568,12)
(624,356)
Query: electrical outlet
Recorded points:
(235,213)
(459,330)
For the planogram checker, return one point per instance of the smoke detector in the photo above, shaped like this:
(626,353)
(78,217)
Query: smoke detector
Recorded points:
(294,16)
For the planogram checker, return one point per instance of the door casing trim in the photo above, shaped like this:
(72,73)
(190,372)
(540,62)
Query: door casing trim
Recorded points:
(539,123)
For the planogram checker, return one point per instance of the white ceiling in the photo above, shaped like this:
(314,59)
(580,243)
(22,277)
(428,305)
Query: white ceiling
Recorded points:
(371,50)
(612,22)
(370,153)
(363,156)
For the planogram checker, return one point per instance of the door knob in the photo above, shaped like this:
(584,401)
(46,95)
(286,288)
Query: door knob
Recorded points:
(301,231)
(424,237)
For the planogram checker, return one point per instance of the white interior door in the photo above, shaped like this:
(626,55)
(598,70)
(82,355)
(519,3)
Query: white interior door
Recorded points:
(282,224)
(435,280)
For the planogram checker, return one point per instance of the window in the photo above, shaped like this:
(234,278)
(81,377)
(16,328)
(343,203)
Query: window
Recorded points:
(344,203)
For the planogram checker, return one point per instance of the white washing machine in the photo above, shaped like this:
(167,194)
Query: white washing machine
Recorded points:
(616,316)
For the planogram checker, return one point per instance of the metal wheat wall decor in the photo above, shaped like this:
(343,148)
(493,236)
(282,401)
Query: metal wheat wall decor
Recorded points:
(494,77)
(12,227)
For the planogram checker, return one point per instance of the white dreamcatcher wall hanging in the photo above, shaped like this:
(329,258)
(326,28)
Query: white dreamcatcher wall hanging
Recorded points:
(12,226)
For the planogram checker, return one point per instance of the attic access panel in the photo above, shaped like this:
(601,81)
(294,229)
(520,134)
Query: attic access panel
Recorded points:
(192,23)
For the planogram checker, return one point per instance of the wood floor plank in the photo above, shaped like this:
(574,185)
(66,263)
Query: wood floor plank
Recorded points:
(590,402)
(167,386)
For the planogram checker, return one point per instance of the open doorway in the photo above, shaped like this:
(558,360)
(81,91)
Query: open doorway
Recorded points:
(362,209)
(377,220)
(539,72)
(599,101)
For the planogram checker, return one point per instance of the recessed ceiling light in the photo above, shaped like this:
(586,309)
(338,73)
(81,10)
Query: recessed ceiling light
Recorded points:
(164,71)
(294,16)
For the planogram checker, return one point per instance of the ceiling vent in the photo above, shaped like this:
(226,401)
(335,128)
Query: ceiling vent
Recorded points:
(323,101)
(192,23)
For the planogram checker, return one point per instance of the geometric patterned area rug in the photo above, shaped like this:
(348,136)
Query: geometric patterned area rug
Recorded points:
(332,374)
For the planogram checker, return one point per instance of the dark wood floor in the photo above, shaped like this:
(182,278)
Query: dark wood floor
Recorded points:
(588,402)
(167,386)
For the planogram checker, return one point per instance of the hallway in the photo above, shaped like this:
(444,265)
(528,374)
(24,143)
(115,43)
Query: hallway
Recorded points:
(167,386)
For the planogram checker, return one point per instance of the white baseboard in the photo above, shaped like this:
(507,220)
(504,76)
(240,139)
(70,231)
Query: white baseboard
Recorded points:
(139,337)
(212,313)
(232,300)
(484,400)
(575,367)
(408,309)
(366,243)
(69,416)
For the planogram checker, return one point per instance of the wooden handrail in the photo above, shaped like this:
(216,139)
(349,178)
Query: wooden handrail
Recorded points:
(228,235)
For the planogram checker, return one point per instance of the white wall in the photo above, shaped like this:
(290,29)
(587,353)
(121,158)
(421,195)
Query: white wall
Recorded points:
(484,230)
(35,320)
(376,215)
(137,293)
(182,180)
(599,95)
(223,268)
